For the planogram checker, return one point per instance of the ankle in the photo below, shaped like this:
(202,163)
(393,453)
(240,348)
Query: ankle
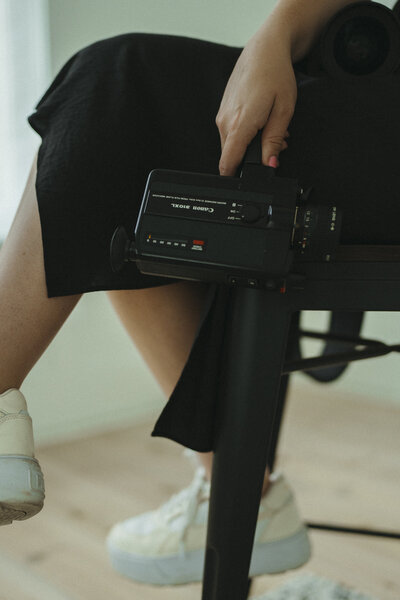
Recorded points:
(266,484)
(205,459)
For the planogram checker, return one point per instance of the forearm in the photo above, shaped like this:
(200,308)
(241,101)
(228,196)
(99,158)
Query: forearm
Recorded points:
(302,21)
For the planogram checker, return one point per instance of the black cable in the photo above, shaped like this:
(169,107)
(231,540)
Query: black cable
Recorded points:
(353,530)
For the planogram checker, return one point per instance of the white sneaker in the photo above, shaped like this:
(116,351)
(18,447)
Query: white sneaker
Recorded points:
(21,479)
(167,546)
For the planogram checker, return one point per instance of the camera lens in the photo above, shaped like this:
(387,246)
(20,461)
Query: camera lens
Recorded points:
(362,39)
(361,45)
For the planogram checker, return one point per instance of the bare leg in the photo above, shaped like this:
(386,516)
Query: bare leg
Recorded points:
(28,318)
(162,321)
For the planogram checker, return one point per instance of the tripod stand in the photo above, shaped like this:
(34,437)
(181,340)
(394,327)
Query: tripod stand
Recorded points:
(257,336)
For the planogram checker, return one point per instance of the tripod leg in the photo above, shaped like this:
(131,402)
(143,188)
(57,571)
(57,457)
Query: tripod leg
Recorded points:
(254,352)
(249,584)
(283,388)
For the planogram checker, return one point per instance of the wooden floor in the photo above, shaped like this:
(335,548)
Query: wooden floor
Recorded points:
(341,456)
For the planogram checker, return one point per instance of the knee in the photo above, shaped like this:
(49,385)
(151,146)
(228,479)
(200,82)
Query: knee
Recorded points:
(115,51)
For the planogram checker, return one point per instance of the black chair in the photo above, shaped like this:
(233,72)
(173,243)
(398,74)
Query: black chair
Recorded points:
(262,336)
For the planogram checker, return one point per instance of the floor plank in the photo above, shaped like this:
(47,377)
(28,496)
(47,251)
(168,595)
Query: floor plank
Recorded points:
(340,455)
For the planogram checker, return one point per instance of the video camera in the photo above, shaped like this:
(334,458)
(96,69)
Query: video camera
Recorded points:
(250,230)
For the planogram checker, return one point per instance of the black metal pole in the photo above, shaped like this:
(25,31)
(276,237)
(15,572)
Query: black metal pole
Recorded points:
(291,353)
(254,352)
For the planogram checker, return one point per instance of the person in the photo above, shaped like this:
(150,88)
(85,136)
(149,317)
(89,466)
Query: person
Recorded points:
(117,109)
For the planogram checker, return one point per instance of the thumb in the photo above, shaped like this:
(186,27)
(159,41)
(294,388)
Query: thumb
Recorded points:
(274,133)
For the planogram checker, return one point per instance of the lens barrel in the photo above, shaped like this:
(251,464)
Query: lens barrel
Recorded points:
(317,232)
(361,40)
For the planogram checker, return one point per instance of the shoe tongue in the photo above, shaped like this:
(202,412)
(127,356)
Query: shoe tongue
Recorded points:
(187,499)
(184,518)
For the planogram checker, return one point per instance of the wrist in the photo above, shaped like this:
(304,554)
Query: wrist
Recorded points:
(275,36)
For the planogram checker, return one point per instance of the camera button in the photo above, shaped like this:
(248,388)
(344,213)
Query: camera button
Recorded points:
(250,213)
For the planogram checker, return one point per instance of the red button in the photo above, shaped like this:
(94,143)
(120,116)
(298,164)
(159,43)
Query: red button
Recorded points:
(198,242)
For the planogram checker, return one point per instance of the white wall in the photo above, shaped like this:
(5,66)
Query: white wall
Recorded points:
(24,73)
(377,379)
(82,384)
(76,23)
(91,378)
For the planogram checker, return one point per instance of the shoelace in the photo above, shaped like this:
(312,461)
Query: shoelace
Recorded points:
(185,502)
(4,413)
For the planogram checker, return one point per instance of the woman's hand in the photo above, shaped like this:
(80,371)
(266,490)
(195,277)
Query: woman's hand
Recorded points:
(262,90)
(261,93)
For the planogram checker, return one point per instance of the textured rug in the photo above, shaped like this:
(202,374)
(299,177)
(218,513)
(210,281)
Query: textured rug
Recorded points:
(311,587)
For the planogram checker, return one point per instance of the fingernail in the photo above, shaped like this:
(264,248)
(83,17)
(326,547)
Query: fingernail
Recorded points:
(273,162)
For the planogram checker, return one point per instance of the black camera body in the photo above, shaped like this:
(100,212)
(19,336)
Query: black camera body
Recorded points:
(250,230)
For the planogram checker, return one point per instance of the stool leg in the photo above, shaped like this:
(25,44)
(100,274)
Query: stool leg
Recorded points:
(291,353)
(254,351)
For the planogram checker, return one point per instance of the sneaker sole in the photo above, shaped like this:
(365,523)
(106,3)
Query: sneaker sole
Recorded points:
(21,488)
(271,557)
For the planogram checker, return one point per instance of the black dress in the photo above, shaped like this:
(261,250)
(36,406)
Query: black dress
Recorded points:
(126,105)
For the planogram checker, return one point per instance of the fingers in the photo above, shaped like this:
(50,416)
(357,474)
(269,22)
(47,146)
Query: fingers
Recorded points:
(234,146)
(275,132)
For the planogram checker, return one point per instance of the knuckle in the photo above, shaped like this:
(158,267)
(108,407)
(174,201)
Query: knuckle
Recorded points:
(219,120)
(275,140)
